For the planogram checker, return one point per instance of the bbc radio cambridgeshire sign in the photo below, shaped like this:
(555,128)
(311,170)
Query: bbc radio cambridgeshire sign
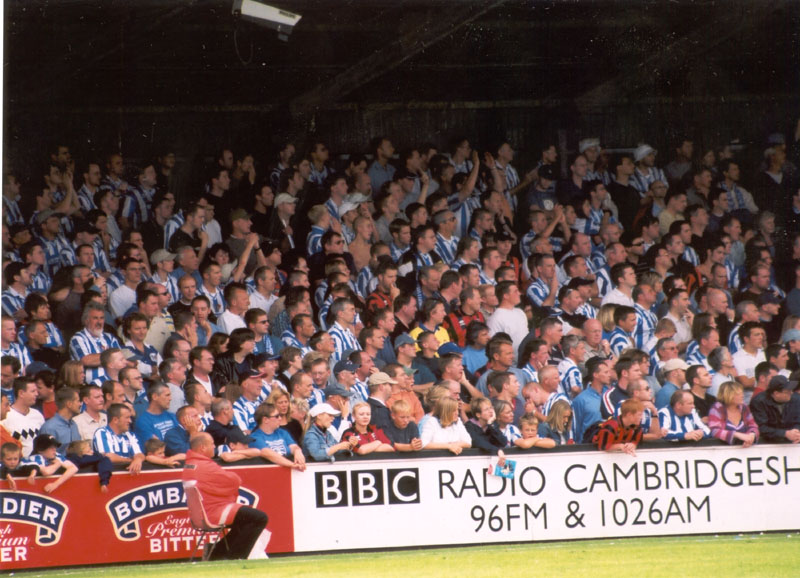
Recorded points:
(415,502)
(552,497)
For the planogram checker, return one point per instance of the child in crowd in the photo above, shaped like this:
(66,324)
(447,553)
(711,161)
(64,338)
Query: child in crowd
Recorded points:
(45,455)
(11,465)
(529,428)
(82,455)
(154,450)
(403,432)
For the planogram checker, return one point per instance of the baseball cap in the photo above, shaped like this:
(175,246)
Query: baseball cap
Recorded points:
(449,347)
(46,214)
(346,207)
(781,383)
(44,442)
(344,365)
(380,377)
(337,389)
(404,339)
(84,226)
(588,143)
(284,198)
(248,373)
(790,335)
(323,408)
(36,367)
(237,214)
(237,436)
(642,151)
(674,364)
(404,174)
(547,172)
(161,255)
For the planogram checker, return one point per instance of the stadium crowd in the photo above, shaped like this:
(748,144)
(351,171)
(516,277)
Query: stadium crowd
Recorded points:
(431,299)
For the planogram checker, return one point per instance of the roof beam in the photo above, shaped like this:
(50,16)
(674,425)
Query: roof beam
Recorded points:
(432,27)
(723,27)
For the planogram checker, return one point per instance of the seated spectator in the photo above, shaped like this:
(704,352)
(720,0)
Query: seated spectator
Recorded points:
(274,442)
(444,430)
(558,426)
(222,423)
(529,428)
(157,420)
(318,443)
(45,455)
(402,431)
(369,438)
(680,419)
(624,433)
(777,411)
(155,453)
(504,411)
(116,442)
(12,465)
(189,423)
(730,419)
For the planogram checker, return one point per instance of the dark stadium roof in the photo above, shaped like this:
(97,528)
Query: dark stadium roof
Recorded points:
(192,53)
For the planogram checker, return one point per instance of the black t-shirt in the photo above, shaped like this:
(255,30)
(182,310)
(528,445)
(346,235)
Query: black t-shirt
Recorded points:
(401,436)
(627,200)
(181,238)
(703,404)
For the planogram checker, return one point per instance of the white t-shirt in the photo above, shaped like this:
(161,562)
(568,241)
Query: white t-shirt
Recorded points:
(745,364)
(511,321)
(229,321)
(24,427)
(434,433)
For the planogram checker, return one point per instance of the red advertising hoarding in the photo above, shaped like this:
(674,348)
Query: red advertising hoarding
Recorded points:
(140,518)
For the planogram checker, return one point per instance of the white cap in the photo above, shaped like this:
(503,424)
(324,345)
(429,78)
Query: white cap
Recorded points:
(642,151)
(323,408)
(588,143)
(346,207)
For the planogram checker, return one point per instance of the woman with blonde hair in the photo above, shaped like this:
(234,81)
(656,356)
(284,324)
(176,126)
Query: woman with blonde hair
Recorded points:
(729,418)
(433,395)
(444,430)
(370,438)
(71,374)
(558,426)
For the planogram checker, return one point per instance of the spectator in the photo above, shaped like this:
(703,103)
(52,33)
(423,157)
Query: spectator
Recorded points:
(730,419)
(680,419)
(777,411)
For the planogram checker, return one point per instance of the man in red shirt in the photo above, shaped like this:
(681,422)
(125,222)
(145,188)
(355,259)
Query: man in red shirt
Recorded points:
(623,434)
(219,489)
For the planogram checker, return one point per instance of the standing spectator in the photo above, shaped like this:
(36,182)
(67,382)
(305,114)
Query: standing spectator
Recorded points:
(23,422)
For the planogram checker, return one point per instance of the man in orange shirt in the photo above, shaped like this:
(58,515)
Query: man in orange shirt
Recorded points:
(219,489)
(402,389)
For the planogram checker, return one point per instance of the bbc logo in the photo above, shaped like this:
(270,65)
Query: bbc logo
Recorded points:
(367,487)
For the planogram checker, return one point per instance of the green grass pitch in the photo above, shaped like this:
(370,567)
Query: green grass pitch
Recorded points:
(768,555)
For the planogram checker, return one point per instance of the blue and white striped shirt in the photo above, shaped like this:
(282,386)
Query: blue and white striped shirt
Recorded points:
(105,441)
(620,340)
(12,301)
(554,397)
(570,376)
(11,211)
(696,357)
(343,340)
(397,252)
(20,352)
(84,343)
(646,322)
(525,245)
(244,412)
(463,211)
(642,182)
(314,240)
(690,255)
(512,433)
(175,223)
(55,338)
(366,282)
(446,248)
(538,292)
(40,282)
(86,199)
(134,207)
(734,342)
(216,298)
(678,426)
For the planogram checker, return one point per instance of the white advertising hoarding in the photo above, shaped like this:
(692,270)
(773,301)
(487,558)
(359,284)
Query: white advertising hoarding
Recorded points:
(438,501)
